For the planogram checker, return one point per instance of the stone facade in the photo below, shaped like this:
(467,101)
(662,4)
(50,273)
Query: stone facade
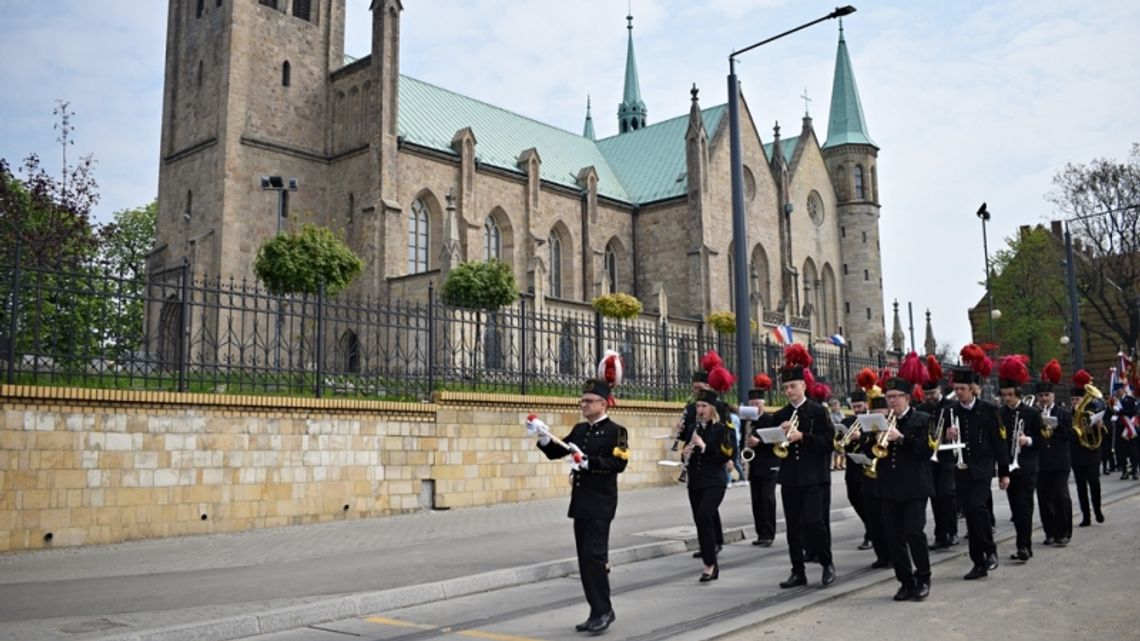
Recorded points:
(232,116)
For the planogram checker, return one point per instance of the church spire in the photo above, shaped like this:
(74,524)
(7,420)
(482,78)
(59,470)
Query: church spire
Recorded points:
(846,125)
(631,111)
(930,344)
(588,128)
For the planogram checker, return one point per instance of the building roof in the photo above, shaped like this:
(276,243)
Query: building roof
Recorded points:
(787,145)
(846,125)
(631,94)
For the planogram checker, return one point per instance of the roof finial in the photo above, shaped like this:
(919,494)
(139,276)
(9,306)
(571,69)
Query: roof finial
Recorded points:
(806,101)
(588,127)
(841,29)
(693,92)
(776,130)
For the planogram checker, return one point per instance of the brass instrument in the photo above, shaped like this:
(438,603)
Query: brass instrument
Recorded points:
(843,440)
(781,449)
(1046,431)
(1015,451)
(959,463)
(936,440)
(1088,435)
(879,449)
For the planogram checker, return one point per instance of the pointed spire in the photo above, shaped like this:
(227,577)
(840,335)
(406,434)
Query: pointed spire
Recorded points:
(631,111)
(930,344)
(777,149)
(898,338)
(696,123)
(588,128)
(846,125)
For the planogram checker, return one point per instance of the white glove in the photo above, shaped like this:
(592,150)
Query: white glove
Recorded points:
(535,427)
(578,459)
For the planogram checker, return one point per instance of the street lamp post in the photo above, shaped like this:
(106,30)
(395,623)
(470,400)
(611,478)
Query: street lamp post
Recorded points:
(984,214)
(739,229)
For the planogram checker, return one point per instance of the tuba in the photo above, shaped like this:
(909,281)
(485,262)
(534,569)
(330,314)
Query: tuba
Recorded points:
(781,449)
(1088,435)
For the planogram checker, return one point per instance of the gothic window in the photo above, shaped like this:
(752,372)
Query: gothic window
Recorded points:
(868,313)
(843,231)
(860,193)
(302,9)
(492,239)
(761,279)
(749,185)
(624,127)
(201,8)
(285,73)
(844,269)
(350,352)
(567,351)
(417,238)
(189,210)
(866,275)
(815,208)
(864,236)
(611,267)
(554,245)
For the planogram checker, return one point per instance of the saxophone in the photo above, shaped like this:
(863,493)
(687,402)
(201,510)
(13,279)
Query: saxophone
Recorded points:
(1088,435)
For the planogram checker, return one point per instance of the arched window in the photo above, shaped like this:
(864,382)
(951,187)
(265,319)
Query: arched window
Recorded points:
(301,9)
(611,267)
(201,8)
(285,73)
(763,280)
(492,239)
(567,350)
(860,192)
(417,237)
(554,245)
(350,352)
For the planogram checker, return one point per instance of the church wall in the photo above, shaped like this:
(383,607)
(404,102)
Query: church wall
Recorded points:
(820,242)
(665,237)
(557,207)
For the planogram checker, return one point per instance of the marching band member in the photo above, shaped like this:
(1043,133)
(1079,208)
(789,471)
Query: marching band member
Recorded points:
(1022,434)
(872,495)
(853,476)
(976,423)
(600,449)
(943,504)
(764,466)
(1053,500)
(710,361)
(905,484)
(710,447)
(805,474)
(1086,462)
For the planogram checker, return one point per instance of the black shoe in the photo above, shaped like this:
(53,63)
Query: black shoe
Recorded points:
(706,577)
(1099,516)
(904,593)
(1085,522)
(601,623)
(1021,555)
(1134,477)
(881,563)
(978,572)
(794,581)
(1063,541)
(921,591)
(583,626)
(866,545)
(953,540)
(1049,540)
(991,562)
(828,575)
(764,543)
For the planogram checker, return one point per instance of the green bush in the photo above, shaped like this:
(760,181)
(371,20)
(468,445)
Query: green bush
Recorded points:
(617,305)
(480,285)
(725,322)
(298,262)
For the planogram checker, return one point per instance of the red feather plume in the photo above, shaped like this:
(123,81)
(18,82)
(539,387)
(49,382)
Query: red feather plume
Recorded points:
(913,370)
(985,368)
(711,360)
(972,354)
(884,375)
(820,392)
(988,347)
(917,394)
(796,355)
(809,380)
(762,382)
(933,369)
(1012,368)
(866,378)
(1051,372)
(1081,378)
(720,379)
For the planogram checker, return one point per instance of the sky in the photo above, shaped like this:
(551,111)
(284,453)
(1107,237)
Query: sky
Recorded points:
(968,101)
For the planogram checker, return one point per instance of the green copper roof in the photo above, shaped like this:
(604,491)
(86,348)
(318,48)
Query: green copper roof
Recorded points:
(632,95)
(787,145)
(650,162)
(846,125)
(588,128)
(430,116)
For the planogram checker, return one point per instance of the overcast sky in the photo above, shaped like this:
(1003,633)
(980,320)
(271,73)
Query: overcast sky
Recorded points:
(969,101)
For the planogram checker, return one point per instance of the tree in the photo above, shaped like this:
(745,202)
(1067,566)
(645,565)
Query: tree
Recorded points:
(486,285)
(300,262)
(123,247)
(1103,201)
(48,219)
(1029,288)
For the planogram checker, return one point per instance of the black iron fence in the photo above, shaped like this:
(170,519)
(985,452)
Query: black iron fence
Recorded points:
(84,327)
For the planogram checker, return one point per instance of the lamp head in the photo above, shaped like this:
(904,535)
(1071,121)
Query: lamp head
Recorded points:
(983,213)
(842,11)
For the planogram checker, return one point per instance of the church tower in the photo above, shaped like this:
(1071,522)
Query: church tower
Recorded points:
(631,111)
(851,157)
(246,92)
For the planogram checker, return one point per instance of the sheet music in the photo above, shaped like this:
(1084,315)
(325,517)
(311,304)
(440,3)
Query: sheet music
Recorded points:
(772,435)
(840,428)
(1051,421)
(872,422)
(859,458)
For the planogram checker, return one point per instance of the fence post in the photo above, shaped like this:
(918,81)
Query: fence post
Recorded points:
(599,330)
(14,322)
(522,345)
(431,338)
(319,350)
(184,339)
(847,378)
(665,359)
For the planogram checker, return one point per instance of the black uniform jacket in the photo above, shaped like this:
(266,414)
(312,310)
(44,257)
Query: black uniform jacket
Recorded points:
(904,473)
(765,461)
(809,460)
(981,433)
(1029,456)
(946,457)
(706,467)
(1054,456)
(853,473)
(595,490)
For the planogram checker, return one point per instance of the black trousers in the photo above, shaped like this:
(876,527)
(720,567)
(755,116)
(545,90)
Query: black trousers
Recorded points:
(1127,455)
(975,499)
(855,498)
(705,503)
(873,506)
(1088,485)
(1020,493)
(763,489)
(805,516)
(904,523)
(943,504)
(1055,504)
(592,538)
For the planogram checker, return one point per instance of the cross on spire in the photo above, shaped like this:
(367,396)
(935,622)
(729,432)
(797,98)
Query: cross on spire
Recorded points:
(806,101)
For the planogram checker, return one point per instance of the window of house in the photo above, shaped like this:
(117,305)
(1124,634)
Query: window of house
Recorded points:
(864,236)
(554,245)
(492,239)
(286,71)
(611,268)
(272,4)
(302,9)
(868,313)
(201,8)
(417,238)
(815,207)
(844,269)
(866,275)
(847,308)
(843,232)
(860,193)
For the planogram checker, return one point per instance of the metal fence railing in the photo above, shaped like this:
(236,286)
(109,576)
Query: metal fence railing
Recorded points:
(80,326)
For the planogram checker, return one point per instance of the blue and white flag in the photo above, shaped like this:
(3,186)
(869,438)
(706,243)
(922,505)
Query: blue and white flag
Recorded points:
(837,340)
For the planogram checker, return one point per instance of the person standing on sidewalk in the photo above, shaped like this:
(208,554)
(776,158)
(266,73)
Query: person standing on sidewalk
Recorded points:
(1053,499)
(1086,462)
(943,505)
(600,448)
(805,471)
(710,447)
(764,466)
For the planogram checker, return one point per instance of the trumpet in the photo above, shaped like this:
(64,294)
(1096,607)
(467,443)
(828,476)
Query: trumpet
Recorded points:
(1015,450)
(1046,431)
(936,440)
(781,449)
(879,449)
(842,441)
(958,446)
